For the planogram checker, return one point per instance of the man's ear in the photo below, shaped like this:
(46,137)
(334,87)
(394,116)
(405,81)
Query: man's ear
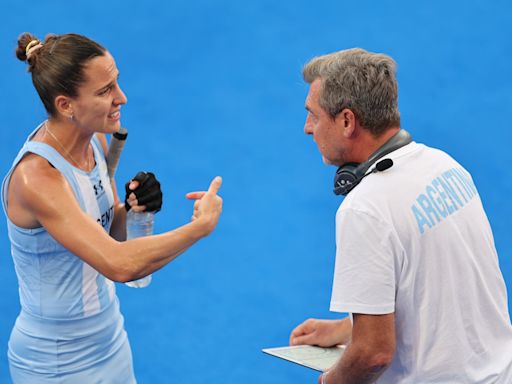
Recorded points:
(64,106)
(346,120)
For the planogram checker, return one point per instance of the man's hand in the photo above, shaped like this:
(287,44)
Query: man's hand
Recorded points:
(208,205)
(322,379)
(324,333)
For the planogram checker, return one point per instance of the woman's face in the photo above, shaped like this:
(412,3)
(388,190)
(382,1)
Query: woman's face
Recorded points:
(98,104)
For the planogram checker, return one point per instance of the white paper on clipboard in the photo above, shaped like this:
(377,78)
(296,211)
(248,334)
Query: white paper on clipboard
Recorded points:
(317,358)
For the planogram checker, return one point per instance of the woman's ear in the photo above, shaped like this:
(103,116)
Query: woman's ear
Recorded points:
(64,106)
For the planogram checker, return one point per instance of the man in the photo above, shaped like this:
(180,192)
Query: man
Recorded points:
(416,267)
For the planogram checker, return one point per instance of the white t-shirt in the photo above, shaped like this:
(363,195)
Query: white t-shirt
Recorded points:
(415,240)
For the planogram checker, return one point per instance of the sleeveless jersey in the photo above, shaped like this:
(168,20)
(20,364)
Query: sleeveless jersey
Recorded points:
(70,325)
(55,283)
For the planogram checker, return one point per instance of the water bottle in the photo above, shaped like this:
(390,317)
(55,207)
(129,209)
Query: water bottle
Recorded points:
(139,224)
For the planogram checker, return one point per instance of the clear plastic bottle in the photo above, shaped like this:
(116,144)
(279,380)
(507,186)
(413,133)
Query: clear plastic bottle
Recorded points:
(139,224)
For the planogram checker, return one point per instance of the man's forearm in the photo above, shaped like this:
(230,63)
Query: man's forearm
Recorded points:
(345,331)
(355,367)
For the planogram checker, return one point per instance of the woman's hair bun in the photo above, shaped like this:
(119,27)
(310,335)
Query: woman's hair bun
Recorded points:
(23,41)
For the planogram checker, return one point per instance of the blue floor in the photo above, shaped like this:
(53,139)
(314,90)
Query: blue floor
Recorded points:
(214,87)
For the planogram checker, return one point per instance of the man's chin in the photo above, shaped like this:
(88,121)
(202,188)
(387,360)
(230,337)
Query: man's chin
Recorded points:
(327,161)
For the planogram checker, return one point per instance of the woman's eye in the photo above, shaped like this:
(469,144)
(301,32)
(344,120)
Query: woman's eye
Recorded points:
(105,91)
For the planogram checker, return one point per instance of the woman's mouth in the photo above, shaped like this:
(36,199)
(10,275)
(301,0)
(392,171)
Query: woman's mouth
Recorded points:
(114,115)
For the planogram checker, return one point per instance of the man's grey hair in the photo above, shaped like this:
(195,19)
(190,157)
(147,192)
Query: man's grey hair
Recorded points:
(361,81)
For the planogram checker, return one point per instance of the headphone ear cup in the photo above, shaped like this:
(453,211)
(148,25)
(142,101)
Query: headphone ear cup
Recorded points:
(350,174)
(346,178)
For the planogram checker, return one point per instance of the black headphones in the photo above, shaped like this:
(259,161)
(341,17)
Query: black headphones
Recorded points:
(350,174)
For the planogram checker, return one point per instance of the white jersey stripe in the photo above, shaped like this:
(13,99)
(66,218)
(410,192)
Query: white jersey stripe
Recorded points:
(105,179)
(87,191)
(90,298)
(111,289)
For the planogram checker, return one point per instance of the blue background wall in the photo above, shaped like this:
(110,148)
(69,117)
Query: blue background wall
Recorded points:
(214,87)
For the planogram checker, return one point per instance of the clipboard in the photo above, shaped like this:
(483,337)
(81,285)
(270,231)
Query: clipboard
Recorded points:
(317,358)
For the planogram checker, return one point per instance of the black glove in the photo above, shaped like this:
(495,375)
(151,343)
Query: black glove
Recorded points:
(148,192)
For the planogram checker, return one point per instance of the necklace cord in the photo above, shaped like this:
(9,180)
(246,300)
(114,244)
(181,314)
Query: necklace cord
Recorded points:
(47,129)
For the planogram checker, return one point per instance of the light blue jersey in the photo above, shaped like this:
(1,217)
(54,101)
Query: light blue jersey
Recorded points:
(70,329)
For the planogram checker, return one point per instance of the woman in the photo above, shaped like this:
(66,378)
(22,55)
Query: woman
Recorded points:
(67,225)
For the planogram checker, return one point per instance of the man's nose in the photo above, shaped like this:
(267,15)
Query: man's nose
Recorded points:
(308,129)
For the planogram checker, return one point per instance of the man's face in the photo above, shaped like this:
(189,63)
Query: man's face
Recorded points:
(327,132)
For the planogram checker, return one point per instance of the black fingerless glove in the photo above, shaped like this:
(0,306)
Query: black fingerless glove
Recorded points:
(148,192)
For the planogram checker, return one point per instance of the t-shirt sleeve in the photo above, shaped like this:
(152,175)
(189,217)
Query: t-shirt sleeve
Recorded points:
(367,264)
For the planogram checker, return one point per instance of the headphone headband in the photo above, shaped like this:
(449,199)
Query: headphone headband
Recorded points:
(350,174)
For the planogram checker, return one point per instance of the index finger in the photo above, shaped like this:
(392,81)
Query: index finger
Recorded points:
(298,331)
(303,328)
(195,195)
(215,185)
(133,184)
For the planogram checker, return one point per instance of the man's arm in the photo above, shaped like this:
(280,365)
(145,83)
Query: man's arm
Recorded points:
(369,353)
(324,333)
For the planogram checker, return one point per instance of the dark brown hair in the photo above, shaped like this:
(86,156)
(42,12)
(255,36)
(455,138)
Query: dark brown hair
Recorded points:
(58,66)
